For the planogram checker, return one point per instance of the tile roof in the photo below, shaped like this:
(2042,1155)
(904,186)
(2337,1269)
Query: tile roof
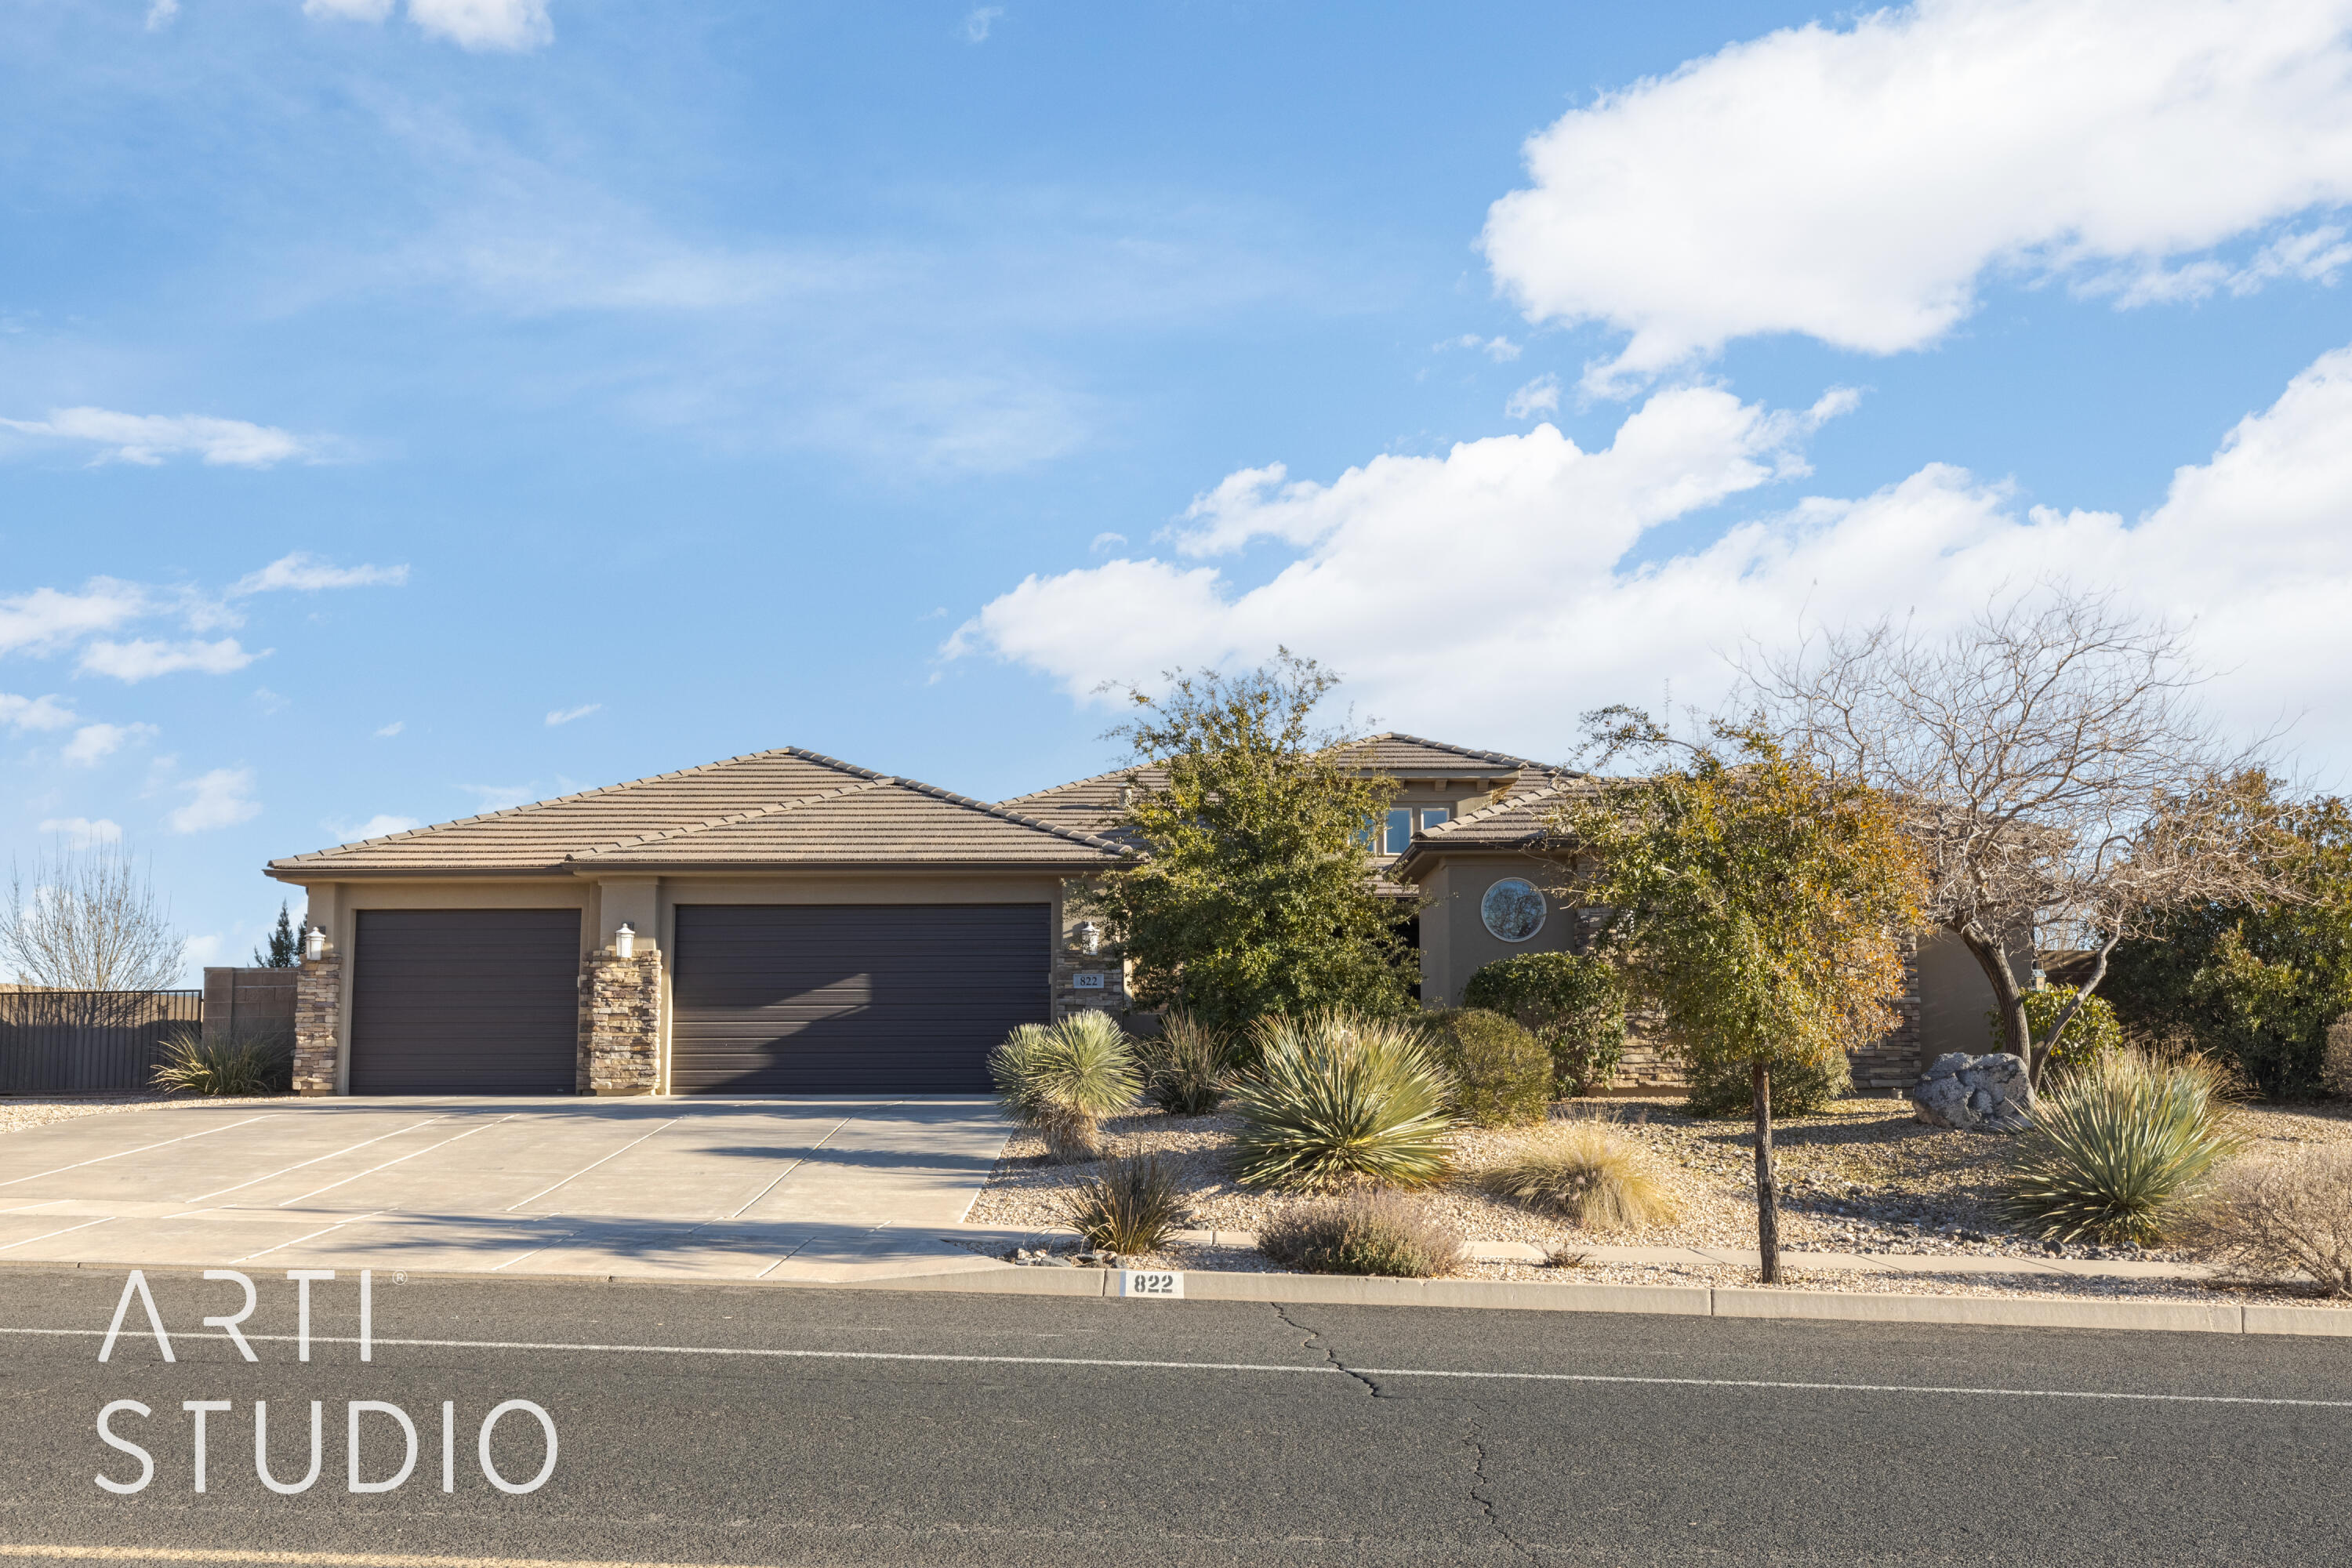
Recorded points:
(1407,756)
(785,807)
(1520,820)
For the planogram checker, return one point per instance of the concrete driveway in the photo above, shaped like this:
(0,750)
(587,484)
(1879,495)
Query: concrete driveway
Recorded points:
(807,1190)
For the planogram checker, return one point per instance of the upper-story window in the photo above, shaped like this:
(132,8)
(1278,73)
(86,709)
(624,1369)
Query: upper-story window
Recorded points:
(1398,836)
(1431,817)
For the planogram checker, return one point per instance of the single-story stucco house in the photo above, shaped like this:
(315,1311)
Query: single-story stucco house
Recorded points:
(787,923)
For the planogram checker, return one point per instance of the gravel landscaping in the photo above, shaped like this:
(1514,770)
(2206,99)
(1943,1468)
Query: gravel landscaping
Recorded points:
(1863,1177)
(31,1111)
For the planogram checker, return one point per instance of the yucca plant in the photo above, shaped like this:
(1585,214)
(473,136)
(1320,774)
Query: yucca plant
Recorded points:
(2117,1146)
(1338,1098)
(225,1065)
(1131,1204)
(1064,1078)
(1184,1069)
(1583,1171)
(1363,1233)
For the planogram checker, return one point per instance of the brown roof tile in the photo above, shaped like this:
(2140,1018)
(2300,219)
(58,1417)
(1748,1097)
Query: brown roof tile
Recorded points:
(1520,820)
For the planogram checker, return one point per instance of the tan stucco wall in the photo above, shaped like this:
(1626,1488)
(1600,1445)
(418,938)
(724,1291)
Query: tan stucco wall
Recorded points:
(1454,941)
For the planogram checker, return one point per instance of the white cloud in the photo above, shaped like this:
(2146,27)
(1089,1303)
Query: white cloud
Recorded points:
(977,22)
(92,743)
(565,715)
(1535,601)
(83,832)
(1541,395)
(142,658)
(1855,183)
(34,713)
(1103,542)
(376,826)
(352,10)
(485,23)
(149,438)
(498,797)
(45,619)
(221,798)
(1502,351)
(305,572)
(394,727)
(161,13)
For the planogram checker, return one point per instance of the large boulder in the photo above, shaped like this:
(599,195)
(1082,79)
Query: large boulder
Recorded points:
(1977,1094)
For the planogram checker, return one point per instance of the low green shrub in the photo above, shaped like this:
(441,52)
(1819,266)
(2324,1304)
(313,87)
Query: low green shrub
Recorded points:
(1064,1078)
(1131,1204)
(227,1064)
(1723,1089)
(1186,1064)
(1583,1170)
(2335,1060)
(1364,1232)
(2117,1147)
(2092,1033)
(1573,1002)
(1340,1099)
(1502,1074)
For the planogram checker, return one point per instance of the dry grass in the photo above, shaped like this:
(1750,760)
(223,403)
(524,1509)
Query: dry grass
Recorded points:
(2286,1214)
(1363,1233)
(1585,1172)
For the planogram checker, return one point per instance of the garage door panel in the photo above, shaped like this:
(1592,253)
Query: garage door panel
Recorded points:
(465,1002)
(852,999)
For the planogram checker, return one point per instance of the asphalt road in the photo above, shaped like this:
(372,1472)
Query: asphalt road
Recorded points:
(952,1430)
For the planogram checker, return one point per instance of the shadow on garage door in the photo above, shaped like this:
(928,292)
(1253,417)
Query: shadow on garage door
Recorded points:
(852,998)
(465,1002)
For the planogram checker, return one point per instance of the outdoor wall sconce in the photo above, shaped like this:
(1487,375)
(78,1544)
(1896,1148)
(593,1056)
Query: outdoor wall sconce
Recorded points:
(625,942)
(1089,937)
(314,944)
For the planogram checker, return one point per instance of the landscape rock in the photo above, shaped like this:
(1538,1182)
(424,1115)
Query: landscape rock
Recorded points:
(1989,1093)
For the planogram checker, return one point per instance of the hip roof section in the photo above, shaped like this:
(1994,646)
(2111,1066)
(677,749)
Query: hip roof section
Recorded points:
(780,809)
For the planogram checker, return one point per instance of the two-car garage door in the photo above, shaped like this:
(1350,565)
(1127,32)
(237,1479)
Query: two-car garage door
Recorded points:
(851,998)
(766,999)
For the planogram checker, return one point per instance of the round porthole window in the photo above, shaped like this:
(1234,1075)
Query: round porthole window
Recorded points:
(1513,909)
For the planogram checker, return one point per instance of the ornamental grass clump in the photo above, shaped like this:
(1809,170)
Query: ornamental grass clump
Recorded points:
(2118,1147)
(1338,1099)
(1132,1204)
(225,1065)
(1583,1170)
(1185,1069)
(1064,1078)
(1363,1233)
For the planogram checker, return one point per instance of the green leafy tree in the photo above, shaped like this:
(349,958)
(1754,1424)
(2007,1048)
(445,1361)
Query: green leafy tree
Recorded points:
(1251,896)
(285,949)
(1760,904)
(2256,981)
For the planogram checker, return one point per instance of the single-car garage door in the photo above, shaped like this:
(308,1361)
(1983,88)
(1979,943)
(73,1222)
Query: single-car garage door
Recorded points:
(465,1002)
(851,998)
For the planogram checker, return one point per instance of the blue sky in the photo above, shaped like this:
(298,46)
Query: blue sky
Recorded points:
(414,406)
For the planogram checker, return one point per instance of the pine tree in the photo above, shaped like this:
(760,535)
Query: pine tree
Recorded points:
(285,946)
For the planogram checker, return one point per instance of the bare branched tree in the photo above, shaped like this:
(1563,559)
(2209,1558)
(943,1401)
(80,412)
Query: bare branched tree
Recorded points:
(2055,765)
(86,919)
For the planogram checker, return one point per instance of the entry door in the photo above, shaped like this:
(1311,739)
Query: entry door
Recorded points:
(465,1002)
(852,998)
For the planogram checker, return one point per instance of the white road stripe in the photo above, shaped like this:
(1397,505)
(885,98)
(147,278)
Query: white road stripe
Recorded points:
(593,1164)
(388,1165)
(354,1149)
(300,1239)
(796,1164)
(46,1235)
(125,1154)
(1312,1369)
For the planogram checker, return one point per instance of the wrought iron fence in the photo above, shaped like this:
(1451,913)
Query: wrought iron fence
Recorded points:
(85,1042)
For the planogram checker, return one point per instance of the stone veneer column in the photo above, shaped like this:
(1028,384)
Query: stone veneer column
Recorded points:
(317,1011)
(620,1029)
(1891,1065)
(1071,960)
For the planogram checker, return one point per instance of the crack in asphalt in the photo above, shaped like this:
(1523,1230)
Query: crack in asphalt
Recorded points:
(1315,1341)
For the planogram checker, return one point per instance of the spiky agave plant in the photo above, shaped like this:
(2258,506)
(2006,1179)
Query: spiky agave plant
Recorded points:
(1131,1204)
(1186,1068)
(230,1065)
(1064,1078)
(2117,1146)
(1336,1099)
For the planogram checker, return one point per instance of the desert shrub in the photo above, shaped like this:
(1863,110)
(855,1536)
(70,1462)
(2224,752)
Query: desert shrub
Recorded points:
(1583,1171)
(1502,1075)
(2336,1062)
(1338,1099)
(1722,1087)
(2093,1032)
(1130,1204)
(1186,1064)
(1574,1003)
(1363,1233)
(2119,1146)
(227,1064)
(2283,1215)
(1064,1078)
